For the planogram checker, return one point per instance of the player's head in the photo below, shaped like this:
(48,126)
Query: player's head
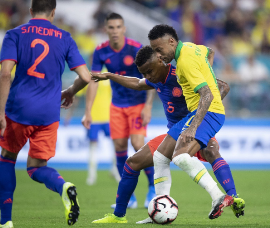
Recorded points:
(115,28)
(164,40)
(151,67)
(43,7)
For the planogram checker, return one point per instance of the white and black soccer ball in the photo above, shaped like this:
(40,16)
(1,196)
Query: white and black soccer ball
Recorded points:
(163,209)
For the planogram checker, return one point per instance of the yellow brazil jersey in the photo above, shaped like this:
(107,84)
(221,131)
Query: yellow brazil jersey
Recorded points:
(101,107)
(193,72)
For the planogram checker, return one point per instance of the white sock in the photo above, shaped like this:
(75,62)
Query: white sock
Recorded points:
(162,177)
(197,171)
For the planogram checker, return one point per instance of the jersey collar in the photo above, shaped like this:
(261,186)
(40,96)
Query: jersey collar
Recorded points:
(178,50)
(40,20)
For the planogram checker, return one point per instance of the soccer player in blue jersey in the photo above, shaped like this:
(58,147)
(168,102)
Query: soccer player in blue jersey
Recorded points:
(162,78)
(30,107)
(130,110)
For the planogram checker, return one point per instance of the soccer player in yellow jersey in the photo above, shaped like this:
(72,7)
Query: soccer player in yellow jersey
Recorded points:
(207,115)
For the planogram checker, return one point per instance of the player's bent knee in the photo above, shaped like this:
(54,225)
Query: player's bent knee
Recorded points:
(181,159)
(211,152)
(130,162)
(134,164)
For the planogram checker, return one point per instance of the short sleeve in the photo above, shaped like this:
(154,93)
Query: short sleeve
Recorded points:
(73,58)
(97,63)
(192,73)
(9,47)
(149,83)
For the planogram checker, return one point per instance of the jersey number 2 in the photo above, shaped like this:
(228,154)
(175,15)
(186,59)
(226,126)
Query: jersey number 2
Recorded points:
(31,71)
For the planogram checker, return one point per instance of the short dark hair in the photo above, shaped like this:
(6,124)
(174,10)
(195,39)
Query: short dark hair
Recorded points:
(143,55)
(161,30)
(113,16)
(43,6)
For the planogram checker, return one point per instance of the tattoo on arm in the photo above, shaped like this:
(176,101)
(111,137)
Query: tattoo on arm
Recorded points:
(206,98)
(224,88)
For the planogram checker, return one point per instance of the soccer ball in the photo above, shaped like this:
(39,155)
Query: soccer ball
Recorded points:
(163,209)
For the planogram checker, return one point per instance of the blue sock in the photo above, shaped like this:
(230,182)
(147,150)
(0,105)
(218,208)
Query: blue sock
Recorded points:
(121,157)
(150,175)
(223,174)
(49,176)
(126,187)
(7,187)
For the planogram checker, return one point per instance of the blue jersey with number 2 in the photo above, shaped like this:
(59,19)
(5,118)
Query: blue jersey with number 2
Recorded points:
(40,50)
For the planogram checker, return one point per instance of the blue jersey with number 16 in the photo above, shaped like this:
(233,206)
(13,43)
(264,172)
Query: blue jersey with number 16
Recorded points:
(40,50)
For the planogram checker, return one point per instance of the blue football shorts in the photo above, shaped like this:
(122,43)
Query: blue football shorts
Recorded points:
(210,125)
(92,133)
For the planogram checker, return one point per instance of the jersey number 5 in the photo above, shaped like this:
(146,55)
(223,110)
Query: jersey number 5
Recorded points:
(170,108)
(31,71)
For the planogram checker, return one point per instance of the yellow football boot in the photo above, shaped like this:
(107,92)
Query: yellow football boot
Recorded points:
(238,207)
(111,218)
(71,203)
(8,224)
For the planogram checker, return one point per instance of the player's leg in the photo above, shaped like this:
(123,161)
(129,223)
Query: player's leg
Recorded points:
(195,169)
(42,148)
(223,174)
(119,133)
(119,128)
(161,159)
(92,134)
(120,146)
(15,137)
(7,185)
(137,134)
(137,141)
(134,164)
(220,167)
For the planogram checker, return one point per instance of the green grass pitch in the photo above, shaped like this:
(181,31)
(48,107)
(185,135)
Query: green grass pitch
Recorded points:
(36,206)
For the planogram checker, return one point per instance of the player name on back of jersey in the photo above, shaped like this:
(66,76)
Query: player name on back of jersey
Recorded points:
(42,31)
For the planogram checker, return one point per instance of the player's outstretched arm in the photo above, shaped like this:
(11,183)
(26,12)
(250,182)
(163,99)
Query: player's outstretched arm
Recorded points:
(129,82)
(5,78)
(206,98)
(224,88)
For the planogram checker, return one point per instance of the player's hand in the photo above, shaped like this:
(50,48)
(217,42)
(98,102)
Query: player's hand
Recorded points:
(67,99)
(3,125)
(86,121)
(146,114)
(188,135)
(99,76)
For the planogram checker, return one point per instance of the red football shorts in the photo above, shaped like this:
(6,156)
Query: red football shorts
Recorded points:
(126,121)
(155,142)
(42,139)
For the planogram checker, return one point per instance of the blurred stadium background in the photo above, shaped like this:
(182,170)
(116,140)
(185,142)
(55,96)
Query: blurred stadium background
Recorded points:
(238,31)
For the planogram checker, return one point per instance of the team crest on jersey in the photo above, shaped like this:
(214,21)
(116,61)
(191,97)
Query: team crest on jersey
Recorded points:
(128,60)
(108,61)
(177,92)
